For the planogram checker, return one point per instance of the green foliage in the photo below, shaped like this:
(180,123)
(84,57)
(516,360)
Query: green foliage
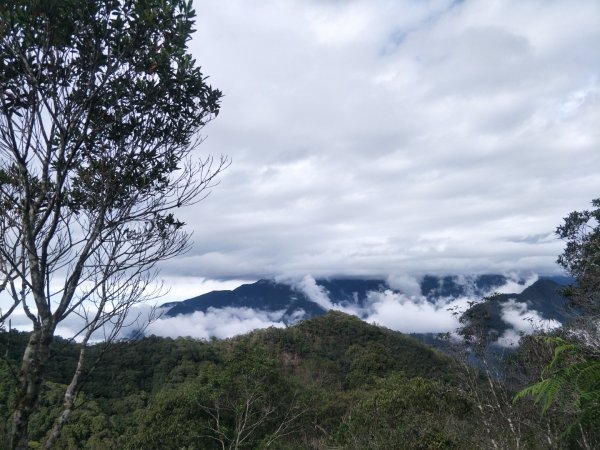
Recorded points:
(100,106)
(361,351)
(241,404)
(400,412)
(572,378)
(132,97)
(332,382)
(581,256)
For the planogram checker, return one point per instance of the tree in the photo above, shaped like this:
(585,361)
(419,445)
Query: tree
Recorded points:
(243,402)
(581,257)
(407,413)
(100,104)
(574,371)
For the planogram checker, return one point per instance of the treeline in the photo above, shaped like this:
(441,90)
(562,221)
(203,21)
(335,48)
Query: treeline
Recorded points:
(331,382)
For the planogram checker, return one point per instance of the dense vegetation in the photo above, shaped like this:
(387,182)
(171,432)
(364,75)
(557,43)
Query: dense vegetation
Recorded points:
(330,382)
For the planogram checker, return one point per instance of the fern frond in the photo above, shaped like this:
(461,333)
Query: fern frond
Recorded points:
(543,392)
(559,353)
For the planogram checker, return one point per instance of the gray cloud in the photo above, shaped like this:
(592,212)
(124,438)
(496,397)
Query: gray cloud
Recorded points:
(390,137)
(381,137)
(385,138)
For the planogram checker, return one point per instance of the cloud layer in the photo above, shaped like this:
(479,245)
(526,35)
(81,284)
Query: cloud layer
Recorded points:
(401,311)
(384,137)
(397,308)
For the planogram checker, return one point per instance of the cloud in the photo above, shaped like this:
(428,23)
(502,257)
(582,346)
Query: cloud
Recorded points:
(220,323)
(522,321)
(180,287)
(380,138)
(395,311)
(314,292)
(414,314)
(401,308)
(405,283)
(515,284)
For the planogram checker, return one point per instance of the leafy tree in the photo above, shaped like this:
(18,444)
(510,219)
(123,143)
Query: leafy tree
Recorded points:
(243,403)
(581,257)
(100,104)
(573,374)
(285,389)
(411,413)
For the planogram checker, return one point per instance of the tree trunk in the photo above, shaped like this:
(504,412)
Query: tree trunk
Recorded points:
(68,402)
(32,373)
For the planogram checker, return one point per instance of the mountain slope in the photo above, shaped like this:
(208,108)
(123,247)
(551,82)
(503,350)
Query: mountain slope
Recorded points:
(264,295)
(293,302)
(541,304)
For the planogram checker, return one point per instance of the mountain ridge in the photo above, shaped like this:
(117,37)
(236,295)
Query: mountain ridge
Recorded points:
(311,298)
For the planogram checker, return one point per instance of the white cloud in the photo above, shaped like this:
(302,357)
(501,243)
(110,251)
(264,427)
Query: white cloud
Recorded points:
(406,311)
(523,322)
(515,285)
(414,314)
(314,292)
(220,323)
(405,284)
(180,288)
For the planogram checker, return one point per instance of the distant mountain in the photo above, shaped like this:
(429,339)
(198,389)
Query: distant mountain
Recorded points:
(264,295)
(294,302)
(434,287)
(269,295)
(543,298)
(495,325)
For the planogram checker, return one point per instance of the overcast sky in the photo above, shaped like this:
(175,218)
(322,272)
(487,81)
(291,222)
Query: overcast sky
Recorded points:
(377,138)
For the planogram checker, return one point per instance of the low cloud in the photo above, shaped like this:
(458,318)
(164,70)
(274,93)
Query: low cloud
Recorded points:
(412,314)
(515,284)
(405,283)
(221,323)
(523,321)
(400,312)
(308,285)
(401,308)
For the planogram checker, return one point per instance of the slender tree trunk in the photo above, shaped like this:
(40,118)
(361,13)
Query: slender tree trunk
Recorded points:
(68,402)
(32,372)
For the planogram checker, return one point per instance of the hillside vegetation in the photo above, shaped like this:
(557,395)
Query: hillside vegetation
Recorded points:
(333,382)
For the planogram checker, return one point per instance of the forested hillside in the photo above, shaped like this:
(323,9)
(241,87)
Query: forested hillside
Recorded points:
(330,382)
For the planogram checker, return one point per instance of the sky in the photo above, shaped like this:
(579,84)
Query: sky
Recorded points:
(390,139)
(377,138)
